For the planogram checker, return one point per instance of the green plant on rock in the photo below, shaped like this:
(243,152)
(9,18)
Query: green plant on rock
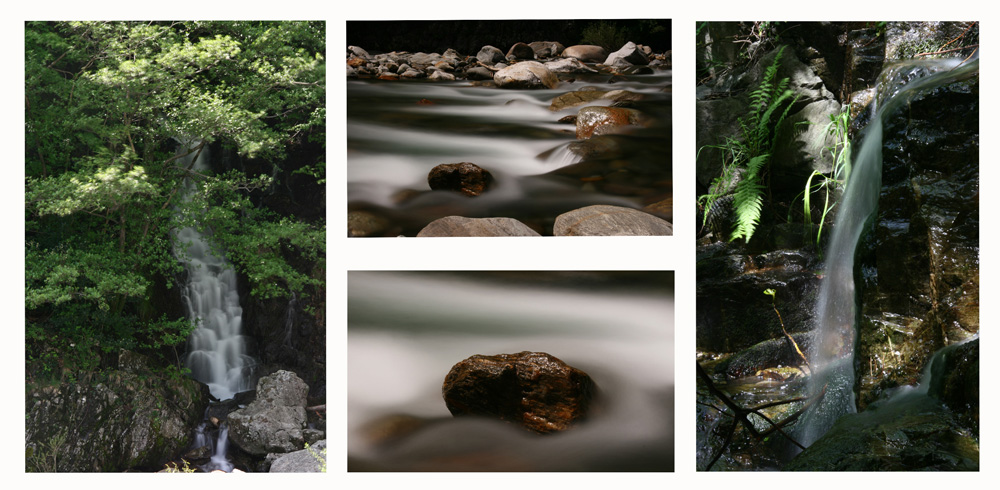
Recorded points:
(172,467)
(45,458)
(836,180)
(745,159)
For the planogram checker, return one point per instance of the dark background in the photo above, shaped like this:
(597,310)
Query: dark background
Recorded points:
(468,36)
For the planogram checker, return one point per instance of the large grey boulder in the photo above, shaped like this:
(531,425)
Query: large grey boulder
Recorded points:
(605,220)
(310,460)
(275,420)
(627,56)
(489,55)
(469,227)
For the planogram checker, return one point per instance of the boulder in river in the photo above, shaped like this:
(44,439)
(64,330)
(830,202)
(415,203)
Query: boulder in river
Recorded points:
(526,75)
(478,227)
(520,51)
(593,120)
(535,390)
(468,178)
(628,55)
(586,52)
(606,220)
(275,420)
(489,55)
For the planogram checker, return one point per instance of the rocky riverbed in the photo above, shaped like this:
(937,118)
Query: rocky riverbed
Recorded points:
(536,139)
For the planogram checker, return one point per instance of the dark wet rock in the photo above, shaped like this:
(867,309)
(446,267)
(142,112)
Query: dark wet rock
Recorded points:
(489,55)
(479,73)
(586,52)
(733,313)
(526,75)
(276,419)
(532,389)
(956,382)
(132,417)
(916,433)
(924,246)
(468,178)
(767,354)
(310,460)
(520,51)
(628,55)
(591,121)
(459,226)
(546,49)
(606,220)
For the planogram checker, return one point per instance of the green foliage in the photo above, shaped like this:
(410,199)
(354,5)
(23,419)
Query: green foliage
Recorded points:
(840,155)
(105,104)
(172,467)
(45,458)
(607,35)
(745,160)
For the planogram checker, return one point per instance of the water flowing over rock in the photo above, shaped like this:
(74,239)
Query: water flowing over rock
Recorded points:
(605,220)
(592,121)
(274,422)
(526,75)
(533,389)
(476,227)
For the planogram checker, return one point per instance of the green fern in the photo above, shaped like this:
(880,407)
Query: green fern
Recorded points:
(749,199)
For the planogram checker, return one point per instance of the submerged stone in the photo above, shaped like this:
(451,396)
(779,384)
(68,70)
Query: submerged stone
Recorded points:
(532,389)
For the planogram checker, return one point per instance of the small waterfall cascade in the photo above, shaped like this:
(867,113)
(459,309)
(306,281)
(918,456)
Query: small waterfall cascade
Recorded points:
(837,311)
(216,350)
(216,353)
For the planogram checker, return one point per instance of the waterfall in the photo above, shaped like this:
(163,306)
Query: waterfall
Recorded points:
(216,349)
(837,309)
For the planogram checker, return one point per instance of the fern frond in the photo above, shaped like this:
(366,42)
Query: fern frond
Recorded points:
(748,199)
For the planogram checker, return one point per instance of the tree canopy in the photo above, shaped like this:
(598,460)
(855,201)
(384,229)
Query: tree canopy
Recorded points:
(110,109)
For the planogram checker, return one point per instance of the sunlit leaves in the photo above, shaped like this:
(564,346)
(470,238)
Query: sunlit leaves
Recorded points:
(103,190)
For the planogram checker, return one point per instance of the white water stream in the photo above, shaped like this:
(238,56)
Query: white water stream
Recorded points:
(832,355)
(216,353)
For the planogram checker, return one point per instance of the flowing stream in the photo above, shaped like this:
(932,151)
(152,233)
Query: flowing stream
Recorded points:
(837,310)
(398,131)
(216,352)
(406,331)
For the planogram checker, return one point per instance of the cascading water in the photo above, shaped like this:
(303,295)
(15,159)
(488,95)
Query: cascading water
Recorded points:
(832,355)
(216,349)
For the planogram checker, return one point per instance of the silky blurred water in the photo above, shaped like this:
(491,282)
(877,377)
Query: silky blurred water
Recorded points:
(406,331)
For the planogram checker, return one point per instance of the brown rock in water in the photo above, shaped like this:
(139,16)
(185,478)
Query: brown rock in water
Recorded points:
(467,178)
(532,389)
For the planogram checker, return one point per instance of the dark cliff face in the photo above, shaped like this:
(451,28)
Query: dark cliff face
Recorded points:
(468,36)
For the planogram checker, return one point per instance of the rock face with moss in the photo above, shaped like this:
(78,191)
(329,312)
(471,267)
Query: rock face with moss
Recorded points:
(130,418)
(532,389)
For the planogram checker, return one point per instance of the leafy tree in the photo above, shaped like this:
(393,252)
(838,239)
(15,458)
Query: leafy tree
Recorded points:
(107,105)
